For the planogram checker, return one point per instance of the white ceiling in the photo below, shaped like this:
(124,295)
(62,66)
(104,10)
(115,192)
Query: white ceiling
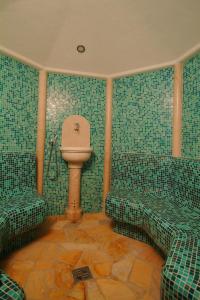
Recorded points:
(119,35)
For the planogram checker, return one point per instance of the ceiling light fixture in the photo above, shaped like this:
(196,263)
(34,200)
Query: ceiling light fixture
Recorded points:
(80,49)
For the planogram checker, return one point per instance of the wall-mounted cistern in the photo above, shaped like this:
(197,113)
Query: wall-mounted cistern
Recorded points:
(76,150)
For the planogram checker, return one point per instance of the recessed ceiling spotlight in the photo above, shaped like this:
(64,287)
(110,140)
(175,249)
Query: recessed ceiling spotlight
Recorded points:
(80,49)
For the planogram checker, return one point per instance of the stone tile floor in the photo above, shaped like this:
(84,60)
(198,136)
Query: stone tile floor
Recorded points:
(123,268)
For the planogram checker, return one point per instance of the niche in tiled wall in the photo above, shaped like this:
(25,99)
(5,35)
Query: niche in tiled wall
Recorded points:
(191,108)
(18,105)
(142,112)
(69,95)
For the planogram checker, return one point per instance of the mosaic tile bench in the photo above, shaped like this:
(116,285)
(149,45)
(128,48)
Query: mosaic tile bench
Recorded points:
(21,210)
(156,199)
(9,289)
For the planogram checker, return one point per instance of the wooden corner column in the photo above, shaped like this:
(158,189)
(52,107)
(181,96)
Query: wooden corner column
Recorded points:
(108,140)
(177,111)
(41,129)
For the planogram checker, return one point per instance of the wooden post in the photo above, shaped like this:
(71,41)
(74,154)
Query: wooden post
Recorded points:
(177,111)
(108,140)
(41,129)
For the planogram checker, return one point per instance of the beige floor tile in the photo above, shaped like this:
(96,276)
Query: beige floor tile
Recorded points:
(92,257)
(80,246)
(57,294)
(77,235)
(93,291)
(49,252)
(156,276)
(44,264)
(137,290)
(87,224)
(94,216)
(115,290)
(148,297)
(122,268)
(78,291)
(141,274)
(102,269)
(19,270)
(59,225)
(63,276)
(28,252)
(35,287)
(118,248)
(54,236)
(70,257)
(148,253)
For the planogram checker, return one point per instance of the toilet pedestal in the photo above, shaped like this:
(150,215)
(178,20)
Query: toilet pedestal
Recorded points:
(74,211)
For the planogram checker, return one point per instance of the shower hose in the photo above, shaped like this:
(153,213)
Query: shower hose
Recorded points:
(53,152)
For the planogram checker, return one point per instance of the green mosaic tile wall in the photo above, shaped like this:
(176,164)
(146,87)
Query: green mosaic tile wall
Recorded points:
(18,105)
(69,95)
(142,112)
(191,108)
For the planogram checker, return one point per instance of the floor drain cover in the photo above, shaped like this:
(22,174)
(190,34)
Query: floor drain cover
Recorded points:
(81,274)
